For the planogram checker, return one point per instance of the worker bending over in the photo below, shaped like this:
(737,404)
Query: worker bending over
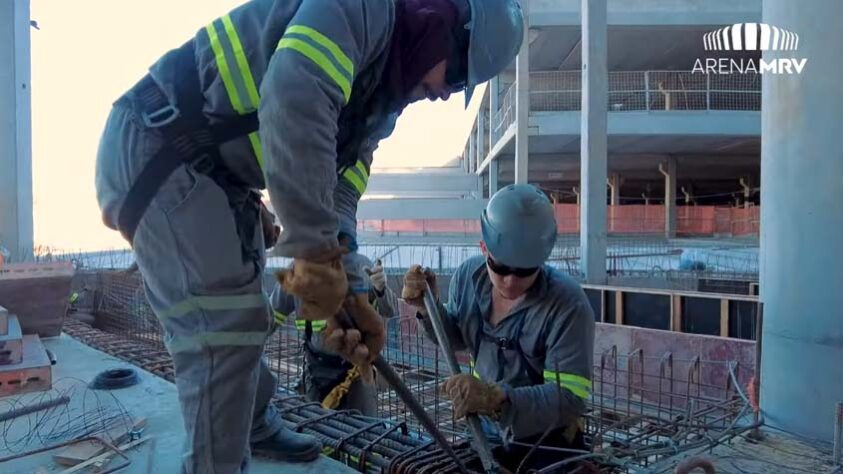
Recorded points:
(292,96)
(327,378)
(528,328)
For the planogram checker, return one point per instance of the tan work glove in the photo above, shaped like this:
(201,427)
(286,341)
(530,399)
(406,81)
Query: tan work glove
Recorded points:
(361,345)
(414,286)
(320,283)
(472,395)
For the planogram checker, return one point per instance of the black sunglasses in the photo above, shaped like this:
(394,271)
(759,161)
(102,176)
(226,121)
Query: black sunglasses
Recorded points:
(504,270)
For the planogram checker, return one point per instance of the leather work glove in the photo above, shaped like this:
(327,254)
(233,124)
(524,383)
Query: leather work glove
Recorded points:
(472,395)
(319,283)
(377,277)
(414,286)
(361,344)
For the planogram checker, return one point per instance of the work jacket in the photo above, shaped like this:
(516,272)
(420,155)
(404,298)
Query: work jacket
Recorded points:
(311,69)
(541,353)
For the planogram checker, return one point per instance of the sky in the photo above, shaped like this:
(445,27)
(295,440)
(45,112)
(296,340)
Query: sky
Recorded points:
(89,52)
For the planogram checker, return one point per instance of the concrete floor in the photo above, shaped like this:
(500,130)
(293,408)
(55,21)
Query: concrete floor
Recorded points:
(153,398)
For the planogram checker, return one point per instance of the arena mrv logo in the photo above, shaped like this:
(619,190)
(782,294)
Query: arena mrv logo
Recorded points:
(750,37)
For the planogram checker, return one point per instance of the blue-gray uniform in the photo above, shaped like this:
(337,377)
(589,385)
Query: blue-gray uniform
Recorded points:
(308,70)
(547,337)
(323,369)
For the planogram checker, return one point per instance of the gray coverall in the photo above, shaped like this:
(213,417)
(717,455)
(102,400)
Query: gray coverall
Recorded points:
(323,369)
(310,68)
(547,337)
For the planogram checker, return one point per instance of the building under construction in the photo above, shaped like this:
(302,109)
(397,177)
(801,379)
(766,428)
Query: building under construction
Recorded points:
(682,209)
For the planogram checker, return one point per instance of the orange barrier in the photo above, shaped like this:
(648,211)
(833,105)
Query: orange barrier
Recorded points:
(625,219)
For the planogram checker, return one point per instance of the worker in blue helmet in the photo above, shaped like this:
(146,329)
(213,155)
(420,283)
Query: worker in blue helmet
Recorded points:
(528,328)
(291,96)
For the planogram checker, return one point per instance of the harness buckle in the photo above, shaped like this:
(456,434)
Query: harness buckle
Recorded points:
(163,116)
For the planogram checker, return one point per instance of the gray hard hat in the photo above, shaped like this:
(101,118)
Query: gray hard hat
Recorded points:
(519,226)
(496,33)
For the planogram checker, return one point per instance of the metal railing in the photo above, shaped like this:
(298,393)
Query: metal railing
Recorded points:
(560,91)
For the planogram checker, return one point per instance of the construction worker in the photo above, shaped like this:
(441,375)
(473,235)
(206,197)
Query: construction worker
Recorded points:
(292,96)
(327,378)
(528,328)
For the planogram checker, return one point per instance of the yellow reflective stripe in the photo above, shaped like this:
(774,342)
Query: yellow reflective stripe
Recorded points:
(214,303)
(242,62)
(579,386)
(280,317)
(225,72)
(316,325)
(362,168)
(255,140)
(326,43)
(320,60)
(355,180)
(196,342)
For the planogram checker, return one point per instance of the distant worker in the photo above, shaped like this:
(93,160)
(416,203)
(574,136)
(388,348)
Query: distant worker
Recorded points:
(292,96)
(526,327)
(327,378)
(5,256)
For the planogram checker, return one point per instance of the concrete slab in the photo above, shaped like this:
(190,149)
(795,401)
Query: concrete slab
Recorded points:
(153,398)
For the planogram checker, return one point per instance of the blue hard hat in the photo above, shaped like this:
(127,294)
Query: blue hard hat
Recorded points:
(519,226)
(496,33)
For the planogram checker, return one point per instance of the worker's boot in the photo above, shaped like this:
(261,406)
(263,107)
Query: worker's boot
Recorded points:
(289,446)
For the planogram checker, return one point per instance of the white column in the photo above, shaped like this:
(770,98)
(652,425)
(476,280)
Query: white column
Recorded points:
(493,177)
(494,105)
(16,227)
(593,141)
(522,101)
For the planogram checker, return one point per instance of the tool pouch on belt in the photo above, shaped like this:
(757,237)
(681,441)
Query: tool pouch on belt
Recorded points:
(324,371)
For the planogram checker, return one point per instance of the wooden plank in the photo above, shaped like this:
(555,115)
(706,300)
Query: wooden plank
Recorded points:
(11,343)
(659,291)
(81,452)
(724,318)
(4,320)
(33,374)
(37,294)
(676,313)
(619,308)
(602,306)
(105,457)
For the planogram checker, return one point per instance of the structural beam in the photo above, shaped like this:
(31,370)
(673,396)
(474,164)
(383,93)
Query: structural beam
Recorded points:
(522,100)
(801,370)
(593,126)
(407,209)
(16,226)
(398,183)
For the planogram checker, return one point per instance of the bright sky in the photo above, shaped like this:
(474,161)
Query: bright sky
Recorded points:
(87,53)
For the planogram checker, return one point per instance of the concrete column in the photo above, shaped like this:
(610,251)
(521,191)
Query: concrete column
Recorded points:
(668,170)
(16,233)
(493,177)
(494,105)
(801,274)
(522,100)
(593,160)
